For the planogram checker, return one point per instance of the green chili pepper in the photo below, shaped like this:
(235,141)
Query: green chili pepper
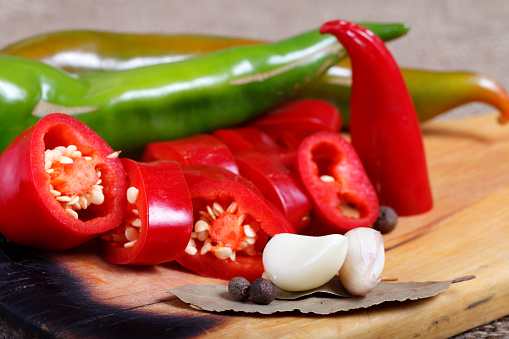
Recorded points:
(433,93)
(82,51)
(166,101)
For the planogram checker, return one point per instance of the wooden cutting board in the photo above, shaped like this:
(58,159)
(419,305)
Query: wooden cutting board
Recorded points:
(75,294)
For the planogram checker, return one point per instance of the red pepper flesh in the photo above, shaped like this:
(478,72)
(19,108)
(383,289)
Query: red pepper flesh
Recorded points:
(207,265)
(196,149)
(250,138)
(343,197)
(164,213)
(198,173)
(29,212)
(291,122)
(278,185)
(384,127)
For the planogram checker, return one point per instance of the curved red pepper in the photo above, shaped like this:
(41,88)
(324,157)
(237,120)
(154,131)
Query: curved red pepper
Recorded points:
(384,126)
(277,184)
(332,173)
(226,206)
(291,122)
(158,223)
(29,212)
(196,149)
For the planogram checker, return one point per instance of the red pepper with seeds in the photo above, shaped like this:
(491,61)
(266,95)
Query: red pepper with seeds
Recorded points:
(159,218)
(342,195)
(202,149)
(62,185)
(384,127)
(232,224)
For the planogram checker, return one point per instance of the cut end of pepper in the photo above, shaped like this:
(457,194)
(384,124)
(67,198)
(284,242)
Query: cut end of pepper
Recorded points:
(220,229)
(72,187)
(504,117)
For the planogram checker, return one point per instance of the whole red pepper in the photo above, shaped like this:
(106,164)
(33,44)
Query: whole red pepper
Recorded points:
(232,225)
(343,197)
(202,149)
(159,217)
(62,185)
(384,127)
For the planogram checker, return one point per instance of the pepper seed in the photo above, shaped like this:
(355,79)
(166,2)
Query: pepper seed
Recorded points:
(132,194)
(191,247)
(327,178)
(113,155)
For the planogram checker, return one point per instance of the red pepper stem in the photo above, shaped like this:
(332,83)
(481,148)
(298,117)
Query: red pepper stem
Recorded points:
(384,127)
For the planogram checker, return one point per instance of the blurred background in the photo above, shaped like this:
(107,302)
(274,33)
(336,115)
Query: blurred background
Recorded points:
(468,35)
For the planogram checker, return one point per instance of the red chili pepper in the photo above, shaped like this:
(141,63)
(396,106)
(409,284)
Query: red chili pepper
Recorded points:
(232,225)
(159,217)
(384,127)
(277,184)
(196,149)
(208,265)
(290,123)
(198,173)
(332,173)
(253,139)
(62,185)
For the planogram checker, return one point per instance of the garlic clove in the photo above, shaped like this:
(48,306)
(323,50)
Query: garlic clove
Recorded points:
(364,261)
(299,263)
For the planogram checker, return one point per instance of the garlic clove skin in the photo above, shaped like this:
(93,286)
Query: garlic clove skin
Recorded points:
(364,261)
(298,263)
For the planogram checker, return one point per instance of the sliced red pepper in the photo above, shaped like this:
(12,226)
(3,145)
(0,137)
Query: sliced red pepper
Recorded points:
(232,225)
(62,185)
(198,173)
(207,265)
(343,197)
(159,218)
(196,149)
(277,184)
(253,139)
(291,122)
(384,127)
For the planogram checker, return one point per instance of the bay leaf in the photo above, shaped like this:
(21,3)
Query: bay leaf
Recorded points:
(215,298)
(332,287)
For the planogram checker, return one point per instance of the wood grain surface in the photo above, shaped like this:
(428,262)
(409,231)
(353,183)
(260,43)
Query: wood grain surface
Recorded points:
(76,294)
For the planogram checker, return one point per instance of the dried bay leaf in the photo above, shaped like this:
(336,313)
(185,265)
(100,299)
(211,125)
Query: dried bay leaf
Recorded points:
(217,299)
(333,287)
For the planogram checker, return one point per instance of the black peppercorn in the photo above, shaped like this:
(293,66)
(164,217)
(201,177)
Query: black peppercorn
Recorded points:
(239,288)
(262,291)
(387,220)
